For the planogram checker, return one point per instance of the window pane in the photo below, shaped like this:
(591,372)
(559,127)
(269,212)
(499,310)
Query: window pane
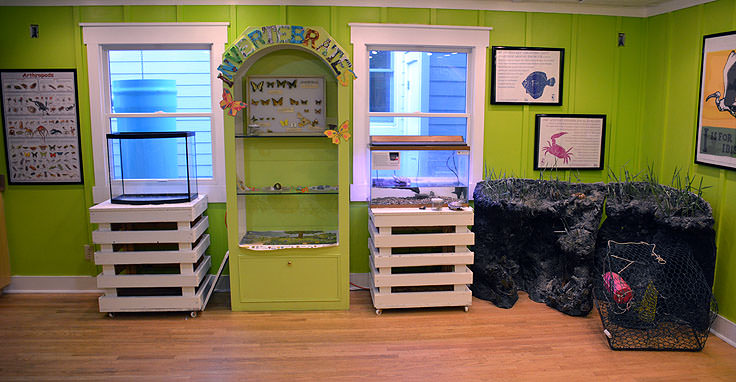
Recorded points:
(164,80)
(411,81)
(419,126)
(203,140)
(160,80)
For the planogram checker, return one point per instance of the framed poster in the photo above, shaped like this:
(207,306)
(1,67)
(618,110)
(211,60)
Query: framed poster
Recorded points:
(716,135)
(569,141)
(522,75)
(285,106)
(41,126)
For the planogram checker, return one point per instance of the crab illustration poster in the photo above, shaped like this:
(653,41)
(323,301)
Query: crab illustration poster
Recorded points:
(524,75)
(716,139)
(569,141)
(40,124)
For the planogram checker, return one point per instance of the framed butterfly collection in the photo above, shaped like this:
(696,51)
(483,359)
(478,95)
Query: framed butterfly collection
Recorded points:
(285,106)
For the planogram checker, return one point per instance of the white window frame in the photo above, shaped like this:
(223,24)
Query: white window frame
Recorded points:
(98,37)
(365,36)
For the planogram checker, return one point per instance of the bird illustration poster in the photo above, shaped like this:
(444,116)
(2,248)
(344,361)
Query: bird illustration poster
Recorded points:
(523,75)
(716,140)
(40,124)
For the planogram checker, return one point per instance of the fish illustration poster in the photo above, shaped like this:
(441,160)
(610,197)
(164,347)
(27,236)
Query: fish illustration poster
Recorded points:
(524,75)
(40,123)
(716,139)
(569,141)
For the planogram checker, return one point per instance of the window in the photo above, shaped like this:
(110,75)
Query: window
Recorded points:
(422,80)
(173,61)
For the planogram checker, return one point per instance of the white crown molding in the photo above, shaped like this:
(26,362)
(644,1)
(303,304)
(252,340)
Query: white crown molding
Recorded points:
(487,5)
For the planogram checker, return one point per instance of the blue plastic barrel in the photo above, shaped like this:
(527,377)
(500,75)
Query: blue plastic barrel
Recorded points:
(146,158)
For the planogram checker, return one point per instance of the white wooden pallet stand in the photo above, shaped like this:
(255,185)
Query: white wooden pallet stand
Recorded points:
(144,239)
(394,281)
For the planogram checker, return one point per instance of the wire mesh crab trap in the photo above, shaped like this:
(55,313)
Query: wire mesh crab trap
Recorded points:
(652,298)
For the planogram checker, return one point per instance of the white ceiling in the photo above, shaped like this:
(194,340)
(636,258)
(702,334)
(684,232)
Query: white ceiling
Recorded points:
(633,8)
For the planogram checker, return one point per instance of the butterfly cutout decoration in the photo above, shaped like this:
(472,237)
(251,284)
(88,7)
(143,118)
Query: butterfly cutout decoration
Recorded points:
(265,101)
(317,111)
(294,101)
(318,102)
(269,84)
(278,102)
(343,77)
(285,122)
(343,131)
(304,101)
(256,86)
(254,102)
(228,103)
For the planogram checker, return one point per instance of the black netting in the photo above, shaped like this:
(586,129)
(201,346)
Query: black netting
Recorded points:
(653,298)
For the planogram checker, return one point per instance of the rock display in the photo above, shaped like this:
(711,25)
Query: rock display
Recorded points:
(662,215)
(536,236)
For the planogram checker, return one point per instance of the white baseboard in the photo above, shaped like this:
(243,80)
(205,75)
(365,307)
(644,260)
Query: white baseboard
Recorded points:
(52,284)
(359,281)
(725,330)
(223,284)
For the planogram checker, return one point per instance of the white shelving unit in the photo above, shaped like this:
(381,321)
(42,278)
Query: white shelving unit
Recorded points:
(419,257)
(153,256)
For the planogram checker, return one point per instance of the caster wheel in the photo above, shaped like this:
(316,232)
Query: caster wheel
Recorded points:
(193,314)
(111,314)
(467,308)
(378,312)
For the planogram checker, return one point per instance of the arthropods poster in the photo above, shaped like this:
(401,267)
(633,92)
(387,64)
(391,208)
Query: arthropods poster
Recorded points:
(41,126)
(716,139)
(569,141)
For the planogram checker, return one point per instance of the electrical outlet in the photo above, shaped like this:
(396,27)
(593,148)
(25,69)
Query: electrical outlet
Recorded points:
(89,252)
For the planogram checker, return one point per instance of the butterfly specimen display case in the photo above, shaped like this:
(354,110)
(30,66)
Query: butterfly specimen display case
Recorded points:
(285,106)
(289,243)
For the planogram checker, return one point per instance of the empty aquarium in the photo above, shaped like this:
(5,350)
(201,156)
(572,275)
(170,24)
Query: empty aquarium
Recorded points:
(419,171)
(152,167)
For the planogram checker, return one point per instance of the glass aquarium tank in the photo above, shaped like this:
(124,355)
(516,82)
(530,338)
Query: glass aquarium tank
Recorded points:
(419,171)
(152,167)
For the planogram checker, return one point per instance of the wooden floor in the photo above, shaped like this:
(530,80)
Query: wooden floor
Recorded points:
(64,337)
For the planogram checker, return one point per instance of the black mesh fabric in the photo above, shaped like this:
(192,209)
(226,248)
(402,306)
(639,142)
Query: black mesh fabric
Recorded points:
(653,297)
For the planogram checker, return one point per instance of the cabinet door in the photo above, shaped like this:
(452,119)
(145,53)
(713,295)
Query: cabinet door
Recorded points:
(289,279)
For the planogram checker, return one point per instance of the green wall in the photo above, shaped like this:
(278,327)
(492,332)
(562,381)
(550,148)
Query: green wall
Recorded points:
(672,82)
(648,90)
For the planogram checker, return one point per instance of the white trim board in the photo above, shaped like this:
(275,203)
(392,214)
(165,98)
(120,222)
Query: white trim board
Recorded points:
(88,284)
(612,9)
(725,330)
(359,281)
(52,284)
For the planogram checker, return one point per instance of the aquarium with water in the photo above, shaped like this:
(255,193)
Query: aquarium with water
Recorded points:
(416,171)
(152,167)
